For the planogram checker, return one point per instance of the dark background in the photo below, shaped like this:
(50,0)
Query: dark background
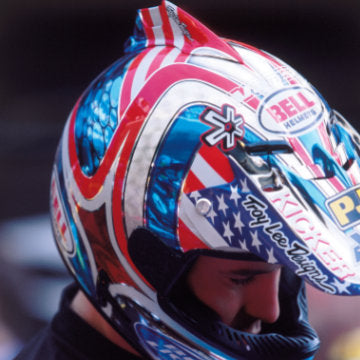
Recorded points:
(49,52)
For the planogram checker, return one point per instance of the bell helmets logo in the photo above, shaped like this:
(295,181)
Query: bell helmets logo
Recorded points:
(290,111)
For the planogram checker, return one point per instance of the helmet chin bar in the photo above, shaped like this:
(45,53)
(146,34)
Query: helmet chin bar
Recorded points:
(290,337)
(147,328)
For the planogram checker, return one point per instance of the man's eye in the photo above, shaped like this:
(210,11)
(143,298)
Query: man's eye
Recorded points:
(242,281)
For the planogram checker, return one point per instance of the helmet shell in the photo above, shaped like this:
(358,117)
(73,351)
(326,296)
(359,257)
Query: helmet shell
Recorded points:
(211,145)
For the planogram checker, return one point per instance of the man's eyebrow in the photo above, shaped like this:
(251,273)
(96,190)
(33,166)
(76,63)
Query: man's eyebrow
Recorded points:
(248,272)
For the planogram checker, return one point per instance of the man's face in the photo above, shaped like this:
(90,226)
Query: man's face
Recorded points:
(243,293)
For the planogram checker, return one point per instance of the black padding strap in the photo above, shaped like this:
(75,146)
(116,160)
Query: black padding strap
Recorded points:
(159,264)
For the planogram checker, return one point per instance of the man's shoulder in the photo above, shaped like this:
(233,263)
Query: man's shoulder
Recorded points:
(42,346)
(68,337)
(46,345)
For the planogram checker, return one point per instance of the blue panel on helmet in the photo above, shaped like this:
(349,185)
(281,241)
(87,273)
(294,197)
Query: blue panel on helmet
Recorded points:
(343,136)
(96,119)
(312,142)
(309,188)
(172,163)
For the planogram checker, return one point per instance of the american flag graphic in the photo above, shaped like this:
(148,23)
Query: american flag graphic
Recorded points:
(228,213)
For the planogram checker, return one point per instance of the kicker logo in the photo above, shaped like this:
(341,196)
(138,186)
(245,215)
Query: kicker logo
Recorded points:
(345,208)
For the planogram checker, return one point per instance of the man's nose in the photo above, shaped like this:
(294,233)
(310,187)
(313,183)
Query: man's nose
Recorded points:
(263,301)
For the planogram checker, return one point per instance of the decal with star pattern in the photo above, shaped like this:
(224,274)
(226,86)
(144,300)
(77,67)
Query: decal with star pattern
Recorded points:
(227,127)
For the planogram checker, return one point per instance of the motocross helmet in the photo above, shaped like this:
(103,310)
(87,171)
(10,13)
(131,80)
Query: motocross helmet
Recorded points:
(193,144)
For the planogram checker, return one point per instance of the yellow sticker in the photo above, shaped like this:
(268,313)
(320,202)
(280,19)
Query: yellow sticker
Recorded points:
(345,207)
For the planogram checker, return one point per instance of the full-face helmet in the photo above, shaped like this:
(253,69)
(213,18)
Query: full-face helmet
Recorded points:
(192,144)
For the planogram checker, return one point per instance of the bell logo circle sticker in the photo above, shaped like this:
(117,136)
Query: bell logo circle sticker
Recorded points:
(290,111)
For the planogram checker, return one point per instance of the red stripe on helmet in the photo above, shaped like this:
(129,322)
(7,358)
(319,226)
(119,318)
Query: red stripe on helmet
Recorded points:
(155,65)
(166,26)
(148,25)
(126,88)
(188,240)
(192,183)
(218,161)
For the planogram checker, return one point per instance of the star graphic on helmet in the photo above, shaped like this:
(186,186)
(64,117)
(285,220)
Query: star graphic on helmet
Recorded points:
(341,286)
(255,240)
(235,196)
(227,127)
(238,223)
(227,231)
(271,258)
(222,204)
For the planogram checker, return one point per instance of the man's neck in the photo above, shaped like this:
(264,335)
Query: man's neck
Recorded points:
(83,307)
